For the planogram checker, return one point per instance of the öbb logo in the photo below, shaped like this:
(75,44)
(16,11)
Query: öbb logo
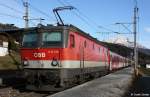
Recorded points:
(39,55)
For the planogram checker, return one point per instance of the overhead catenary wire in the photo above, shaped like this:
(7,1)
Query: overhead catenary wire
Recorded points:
(18,1)
(85,18)
(100,26)
(125,26)
(93,22)
(22,2)
(89,20)
(16,11)
(12,16)
(11,8)
(41,12)
(33,23)
(78,15)
(32,7)
(15,17)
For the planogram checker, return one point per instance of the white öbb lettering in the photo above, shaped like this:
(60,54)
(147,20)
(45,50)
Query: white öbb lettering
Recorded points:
(39,55)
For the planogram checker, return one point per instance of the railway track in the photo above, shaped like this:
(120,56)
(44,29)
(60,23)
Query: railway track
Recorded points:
(10,92)
(13,85)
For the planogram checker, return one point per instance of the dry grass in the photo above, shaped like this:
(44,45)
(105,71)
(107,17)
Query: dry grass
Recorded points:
(11,61)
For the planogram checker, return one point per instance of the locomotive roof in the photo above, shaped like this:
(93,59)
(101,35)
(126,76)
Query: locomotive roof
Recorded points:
(69,27)
(72,27)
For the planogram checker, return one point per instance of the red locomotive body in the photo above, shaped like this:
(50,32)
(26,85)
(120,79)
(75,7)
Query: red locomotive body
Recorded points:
(57,57)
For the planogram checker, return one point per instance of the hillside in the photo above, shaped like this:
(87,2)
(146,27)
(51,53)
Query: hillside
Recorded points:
(10,61)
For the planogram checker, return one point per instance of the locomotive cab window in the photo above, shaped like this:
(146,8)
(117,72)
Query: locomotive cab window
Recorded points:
(72,41)
(51,38)
(30,39)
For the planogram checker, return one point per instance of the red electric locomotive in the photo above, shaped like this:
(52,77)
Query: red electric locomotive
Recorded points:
(57,57)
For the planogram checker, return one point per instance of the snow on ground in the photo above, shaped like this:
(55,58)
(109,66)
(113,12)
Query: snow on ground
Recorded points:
(112,85)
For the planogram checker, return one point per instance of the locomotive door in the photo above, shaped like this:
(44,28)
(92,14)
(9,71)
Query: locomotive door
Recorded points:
(81,48)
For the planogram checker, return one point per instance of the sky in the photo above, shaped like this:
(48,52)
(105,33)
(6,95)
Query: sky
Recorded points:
(96,17)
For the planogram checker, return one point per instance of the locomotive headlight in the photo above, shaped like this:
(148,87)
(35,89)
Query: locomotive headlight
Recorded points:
(54,63)
(25,63)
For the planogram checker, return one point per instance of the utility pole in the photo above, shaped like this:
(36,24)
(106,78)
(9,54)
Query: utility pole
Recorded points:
(26,16)
(135,38)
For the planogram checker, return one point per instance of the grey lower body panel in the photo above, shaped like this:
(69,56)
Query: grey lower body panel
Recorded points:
(58,79)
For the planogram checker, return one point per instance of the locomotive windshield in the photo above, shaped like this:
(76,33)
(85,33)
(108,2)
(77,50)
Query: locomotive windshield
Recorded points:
(44,39)
(30,40)
(51,39)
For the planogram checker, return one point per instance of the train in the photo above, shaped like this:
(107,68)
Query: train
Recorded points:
(58,57)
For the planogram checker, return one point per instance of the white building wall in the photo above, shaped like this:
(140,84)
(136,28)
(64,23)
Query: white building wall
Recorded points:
(4,49)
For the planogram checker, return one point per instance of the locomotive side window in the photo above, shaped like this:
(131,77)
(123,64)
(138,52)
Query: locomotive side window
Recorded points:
(72,41)
(30,40)
(51,38)
(93,46)
(85,44)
